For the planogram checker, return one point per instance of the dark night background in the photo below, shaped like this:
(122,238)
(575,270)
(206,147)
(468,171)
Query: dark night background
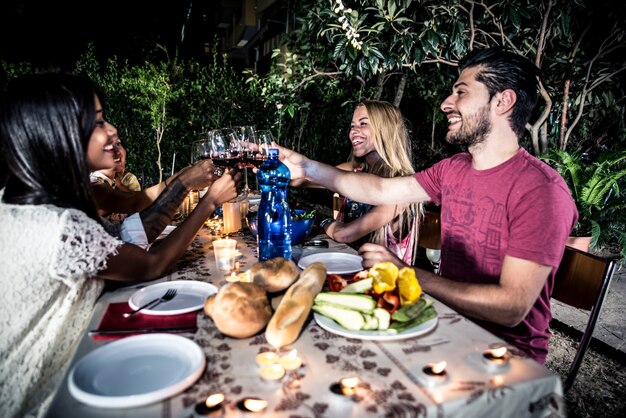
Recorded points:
(57,32)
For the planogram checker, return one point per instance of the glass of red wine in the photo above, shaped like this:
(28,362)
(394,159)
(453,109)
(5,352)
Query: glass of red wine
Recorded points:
(264,139)
(225,152)
(247,140)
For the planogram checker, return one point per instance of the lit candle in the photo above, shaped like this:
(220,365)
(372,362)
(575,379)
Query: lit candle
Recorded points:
(435,373)
(496,358)
(266,358)
(348,385)
(291,361)
(212,404)
(254,404)
(272,372)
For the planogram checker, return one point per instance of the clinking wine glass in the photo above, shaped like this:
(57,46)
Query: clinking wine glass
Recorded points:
(225,152)
(434,256)
(247,141)
(264,139)
(201,150)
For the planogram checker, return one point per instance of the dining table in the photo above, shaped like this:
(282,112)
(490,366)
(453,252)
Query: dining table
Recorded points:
(395,375)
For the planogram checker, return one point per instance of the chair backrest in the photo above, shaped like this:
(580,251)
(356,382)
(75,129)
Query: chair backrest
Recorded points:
(430,231)
(582,281)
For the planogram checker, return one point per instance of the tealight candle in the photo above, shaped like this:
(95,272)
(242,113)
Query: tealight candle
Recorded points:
(345,387)
(272,372)
(266,358)
(348,386)
(212,404)
(435,373)
(254,404)
(496,358)
(291,361)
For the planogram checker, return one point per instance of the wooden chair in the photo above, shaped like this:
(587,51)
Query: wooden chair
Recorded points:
(582,281)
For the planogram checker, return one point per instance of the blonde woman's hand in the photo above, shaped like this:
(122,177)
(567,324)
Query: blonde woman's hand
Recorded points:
(374,253)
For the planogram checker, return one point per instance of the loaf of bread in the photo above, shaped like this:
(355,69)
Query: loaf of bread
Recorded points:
(239,309)
(274,275)
(295,306)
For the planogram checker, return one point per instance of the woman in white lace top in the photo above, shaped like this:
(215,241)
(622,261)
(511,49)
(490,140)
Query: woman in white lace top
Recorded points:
(54,250)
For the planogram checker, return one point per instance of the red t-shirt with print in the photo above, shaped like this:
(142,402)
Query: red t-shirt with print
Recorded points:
(521,208)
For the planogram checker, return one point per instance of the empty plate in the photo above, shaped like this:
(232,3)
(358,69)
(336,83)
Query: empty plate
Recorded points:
(336,263)
(190,297)
(136,371)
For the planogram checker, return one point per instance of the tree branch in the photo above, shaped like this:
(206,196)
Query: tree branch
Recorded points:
(313,76)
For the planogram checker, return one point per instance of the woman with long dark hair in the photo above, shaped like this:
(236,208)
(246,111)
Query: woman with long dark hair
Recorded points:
(54,249)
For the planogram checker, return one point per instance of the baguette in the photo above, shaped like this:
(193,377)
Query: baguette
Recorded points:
(294,308)
(274,275)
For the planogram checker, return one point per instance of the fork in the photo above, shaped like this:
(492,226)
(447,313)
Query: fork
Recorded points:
(169,295)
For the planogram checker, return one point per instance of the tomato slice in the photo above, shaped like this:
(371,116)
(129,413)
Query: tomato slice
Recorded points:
(336,282)
(389,301)
(360,275)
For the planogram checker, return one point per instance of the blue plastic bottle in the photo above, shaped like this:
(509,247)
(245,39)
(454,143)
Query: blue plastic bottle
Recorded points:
(274,217)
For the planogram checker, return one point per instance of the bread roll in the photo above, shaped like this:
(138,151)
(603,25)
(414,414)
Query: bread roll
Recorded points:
(274,275)
(286,323)
(239,309)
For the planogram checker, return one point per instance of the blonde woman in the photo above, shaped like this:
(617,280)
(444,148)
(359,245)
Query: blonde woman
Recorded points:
(381,146)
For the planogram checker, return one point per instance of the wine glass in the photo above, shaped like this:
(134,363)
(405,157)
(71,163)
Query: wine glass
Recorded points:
(225,152)
(264,139)
(201,149)
(434,256)
(247,140)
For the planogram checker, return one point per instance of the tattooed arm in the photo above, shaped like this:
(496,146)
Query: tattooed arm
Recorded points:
(161,212)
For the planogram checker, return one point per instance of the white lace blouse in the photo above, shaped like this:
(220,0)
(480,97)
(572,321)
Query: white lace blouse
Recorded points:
(49,257)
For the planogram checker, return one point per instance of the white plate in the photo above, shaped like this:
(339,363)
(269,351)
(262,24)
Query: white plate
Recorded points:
(254,199)
(168,229)
(336,263)
(136,371)
(190,297)
(331,326)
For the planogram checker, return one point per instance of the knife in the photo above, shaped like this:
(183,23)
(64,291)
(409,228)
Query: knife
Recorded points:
(139,331)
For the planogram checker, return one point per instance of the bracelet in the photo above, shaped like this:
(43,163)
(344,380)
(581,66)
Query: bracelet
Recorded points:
(325,222)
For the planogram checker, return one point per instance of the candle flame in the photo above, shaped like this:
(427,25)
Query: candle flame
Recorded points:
(255,405)
(497,380)
(276,368)
(350,382)
(497,352)
(215,399)
(267,357)
(438,368)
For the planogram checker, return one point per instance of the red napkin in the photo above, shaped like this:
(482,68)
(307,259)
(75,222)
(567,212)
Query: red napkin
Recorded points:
(113,319)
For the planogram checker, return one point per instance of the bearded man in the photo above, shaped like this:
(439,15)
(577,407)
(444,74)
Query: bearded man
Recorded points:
(505,215)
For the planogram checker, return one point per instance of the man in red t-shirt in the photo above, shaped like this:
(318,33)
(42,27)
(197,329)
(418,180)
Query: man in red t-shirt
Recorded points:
(505,215)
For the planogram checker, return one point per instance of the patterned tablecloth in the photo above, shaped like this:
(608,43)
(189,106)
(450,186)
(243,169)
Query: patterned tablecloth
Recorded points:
(392,383)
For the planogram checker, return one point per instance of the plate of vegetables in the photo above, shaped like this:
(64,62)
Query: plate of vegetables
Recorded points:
(383,303)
